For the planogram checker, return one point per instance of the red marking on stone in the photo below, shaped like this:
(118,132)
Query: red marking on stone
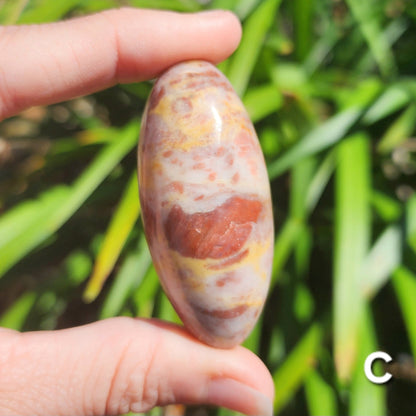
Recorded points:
(245,144)
(210,73)
(212,176)
(224,313)
(225,85)
(235,178)
(230,261)
(198,198)
(220,151)
(200,165)
(176,186)
(157,95)
(230,160)
(227,278)
(174,81)
(215,234)
(167,153)
(253,167)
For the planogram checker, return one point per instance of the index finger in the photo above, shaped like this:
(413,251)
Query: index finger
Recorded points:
(42,64)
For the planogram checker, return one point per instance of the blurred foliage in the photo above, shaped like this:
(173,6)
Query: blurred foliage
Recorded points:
(331,87)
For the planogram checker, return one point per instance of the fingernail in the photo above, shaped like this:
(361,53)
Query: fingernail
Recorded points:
(237,396)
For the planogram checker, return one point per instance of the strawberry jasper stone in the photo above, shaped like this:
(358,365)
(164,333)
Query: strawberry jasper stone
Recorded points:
(206,204)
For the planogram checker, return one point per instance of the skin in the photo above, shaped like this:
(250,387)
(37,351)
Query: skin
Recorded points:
(121,364)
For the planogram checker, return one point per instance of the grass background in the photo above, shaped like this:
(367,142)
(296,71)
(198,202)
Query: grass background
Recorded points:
(331,88)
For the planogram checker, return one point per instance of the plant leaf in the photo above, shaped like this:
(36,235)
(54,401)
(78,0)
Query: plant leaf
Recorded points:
(15,316)
(411,222)
(366,398)
(56,206)
(352,233)
(244,59)
(262,101)
(290,375)
(121,224)
(404,282)
(320,396)
(371,28)
(131,274)
(318,139)
(381,261)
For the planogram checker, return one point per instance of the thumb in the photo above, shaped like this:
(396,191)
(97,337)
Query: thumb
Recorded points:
(123,364)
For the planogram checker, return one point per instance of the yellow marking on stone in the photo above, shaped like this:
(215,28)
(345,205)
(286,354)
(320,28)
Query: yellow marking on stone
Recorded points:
(255,252)
(196,134)
(163,107)
(250,302)
(196,268)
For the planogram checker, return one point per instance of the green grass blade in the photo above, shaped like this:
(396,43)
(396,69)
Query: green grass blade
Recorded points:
(391,33)
(252,342)
(381,261)
(399,131)
(41,11)
(91,6)
(96,172)
(302,21)
(115,238)
(254,32)
(365,14)
(15,316)
(244,7)
(392,99)
(366,398)
(224,4)
(178,5)
(320,396)
(291,79)
(319,181)
(321,49)
(292,373)
(11,11)
(262,101)
(411,222)
(57,206)
(129,277)
(301,175)
(284,245)
(318,139)
(386,207)
(166,311)
(144,296)
(352,233)
(404,283)
(16,222)
(26,226)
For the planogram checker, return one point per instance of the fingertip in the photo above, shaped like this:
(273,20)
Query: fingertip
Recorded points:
(257,373)
(227,22)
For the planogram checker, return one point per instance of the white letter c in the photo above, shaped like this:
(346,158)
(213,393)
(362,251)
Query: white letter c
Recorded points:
(378,355)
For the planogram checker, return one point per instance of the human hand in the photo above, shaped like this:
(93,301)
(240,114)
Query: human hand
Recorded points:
(121,364)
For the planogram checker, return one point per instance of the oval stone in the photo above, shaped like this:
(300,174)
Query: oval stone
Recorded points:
(206,204)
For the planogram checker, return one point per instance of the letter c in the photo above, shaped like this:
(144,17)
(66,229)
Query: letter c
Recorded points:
(378,355)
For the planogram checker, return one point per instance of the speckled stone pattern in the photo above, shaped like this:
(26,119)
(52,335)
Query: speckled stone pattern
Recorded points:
(206,203)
